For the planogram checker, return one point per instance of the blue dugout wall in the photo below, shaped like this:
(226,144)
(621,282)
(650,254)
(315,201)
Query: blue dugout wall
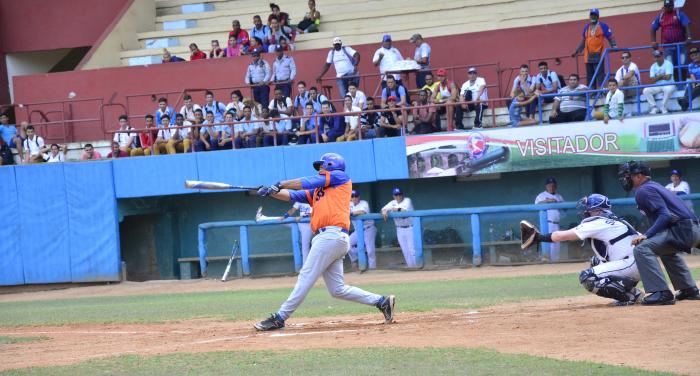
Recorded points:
(66,226)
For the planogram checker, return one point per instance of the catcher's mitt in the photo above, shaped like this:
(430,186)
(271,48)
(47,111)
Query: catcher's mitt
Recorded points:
(528,234)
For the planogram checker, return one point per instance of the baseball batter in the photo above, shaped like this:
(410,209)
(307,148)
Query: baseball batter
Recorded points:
(550,196)
(404,226)
(328,193)
(613,272)
(359,207)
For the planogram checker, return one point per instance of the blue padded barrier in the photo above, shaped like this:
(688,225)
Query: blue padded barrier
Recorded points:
(390,158)
(11,269)
(251,167)
(359,159)
(154,176)
(45,243)
(94,227)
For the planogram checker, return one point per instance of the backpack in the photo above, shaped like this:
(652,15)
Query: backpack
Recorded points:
(346,54)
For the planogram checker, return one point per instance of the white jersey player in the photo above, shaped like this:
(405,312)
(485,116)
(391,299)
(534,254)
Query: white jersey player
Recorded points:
(359,207)
(304,227)
(613,273)
(680,187)
(404,226)
(550,196)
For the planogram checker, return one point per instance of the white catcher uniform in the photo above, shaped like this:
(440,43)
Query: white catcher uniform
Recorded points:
(553,217)
(370,234)
(404,230)
(304,228)
(611,242)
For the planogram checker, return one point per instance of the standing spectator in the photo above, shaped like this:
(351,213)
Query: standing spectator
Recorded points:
(393,89)
(283,17)
(385,57)
(446,93)
(424,117)
(236,105)
(179,141)
(6,157)
(526,84)
(390,121)
(216,50)
(308,132)
(148,138)
(661,72)
(592,45)
(679,187)
(217,108)
(474,90)
(330,124)
(126,140)
(628,74)
(358,97)
(674,229)
(188,109)
(89,153)
(316,99)
(422,57)
(242,37)
(8,132)
(258,76)
(168,58)
(311,20)
(277,33)
(352,122)
(233,48)
(281,103)
(614,107)
(547,82)
(56,155)
(33,146)
(345,60)
(116,152)
(675,28)
(259,30)
(195,53)
(284,70)
(404,226)
(164,109)
(693,75)
(568,108)
(249,131)
(550,196)
(515,109)
(370,121)
(360,207)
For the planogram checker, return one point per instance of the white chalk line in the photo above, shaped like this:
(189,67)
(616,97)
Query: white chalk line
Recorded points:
(218,340)
(313,333)
(84,332)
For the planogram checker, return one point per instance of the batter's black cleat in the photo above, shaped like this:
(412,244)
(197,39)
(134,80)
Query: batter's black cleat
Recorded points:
(659,298)
(691,293)
(272,323)
(386,305)
(635,296)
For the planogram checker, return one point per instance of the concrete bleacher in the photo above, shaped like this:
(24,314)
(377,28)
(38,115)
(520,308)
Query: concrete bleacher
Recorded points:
(360,23)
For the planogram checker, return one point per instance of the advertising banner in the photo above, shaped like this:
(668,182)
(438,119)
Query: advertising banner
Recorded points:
(554,146)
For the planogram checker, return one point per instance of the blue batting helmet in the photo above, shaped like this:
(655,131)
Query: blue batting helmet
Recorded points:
(593,202)
(330,162)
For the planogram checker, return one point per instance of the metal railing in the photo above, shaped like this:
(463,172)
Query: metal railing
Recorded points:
(417,218)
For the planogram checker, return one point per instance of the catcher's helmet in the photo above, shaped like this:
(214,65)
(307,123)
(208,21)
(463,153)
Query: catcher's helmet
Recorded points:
(627,169)
(330,162)
(591,203)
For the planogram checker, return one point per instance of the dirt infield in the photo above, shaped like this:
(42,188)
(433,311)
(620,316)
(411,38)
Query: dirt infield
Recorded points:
(575,328)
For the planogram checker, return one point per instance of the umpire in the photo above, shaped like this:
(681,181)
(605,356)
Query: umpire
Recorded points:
(673,229)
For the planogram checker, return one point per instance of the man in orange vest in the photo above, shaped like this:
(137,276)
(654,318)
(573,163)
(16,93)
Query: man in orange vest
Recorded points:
(593,44)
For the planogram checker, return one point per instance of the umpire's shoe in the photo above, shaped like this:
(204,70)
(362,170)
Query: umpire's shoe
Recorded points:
(691,293)
(272,323)
(386,305)
(659,298)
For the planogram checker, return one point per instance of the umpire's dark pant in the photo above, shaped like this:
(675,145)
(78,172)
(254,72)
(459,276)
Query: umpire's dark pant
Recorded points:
(649,269)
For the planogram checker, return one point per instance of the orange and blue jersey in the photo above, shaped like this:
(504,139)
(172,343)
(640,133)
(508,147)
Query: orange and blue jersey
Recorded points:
(329,195)
(595,37)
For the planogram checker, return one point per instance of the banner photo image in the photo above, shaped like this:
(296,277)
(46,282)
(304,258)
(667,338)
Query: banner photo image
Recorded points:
(554,146)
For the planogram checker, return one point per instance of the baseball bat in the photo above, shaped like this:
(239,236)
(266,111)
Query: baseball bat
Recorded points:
(196,184)
(230,261)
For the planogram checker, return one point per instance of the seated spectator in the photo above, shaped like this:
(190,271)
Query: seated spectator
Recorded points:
(256,45)
(391,120)
(146,139)
(283,128)
(661,72)
(693,75)
(308,132)
(370,121)
(424,117)
(233,48)
(525,84)
(216,50)
(195,53)
(164,109)
(311,20)
(6,157)
(430,84)
(331,125)
(160,146)
(209,134)
(358,97)
(285,45)
(474,90)
(33,146)
(516,108)
(301,99)
(236,105)
(568,108)
(217,108)
(281,103)
(255,106)
(247,134)
(116,152)
(393,89)
(352,122)
(316,99)
(242,37)
(56,155)
(614,107)
(126,140)
(168,58)
(547,82)
(278,32)
(196,143)
(259,30)
(9,133)
(282,17)
(267,128)
(628,74)
(224,133)
(179,137)
(188,109)
(89,153)
(446,92)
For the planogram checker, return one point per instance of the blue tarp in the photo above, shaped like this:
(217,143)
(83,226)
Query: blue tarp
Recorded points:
(155,176)
(11,270)
(359,159)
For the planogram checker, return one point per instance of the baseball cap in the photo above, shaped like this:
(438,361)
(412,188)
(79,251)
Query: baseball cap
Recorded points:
(415,37)
(354,193)
(471,70)
(550,180)
(676,172)
(595,11)
(337,40)
(441,72)
(255,52)
(656,53)
(391,98)
(668,3)
(278,48)
(386,38)
(397,191)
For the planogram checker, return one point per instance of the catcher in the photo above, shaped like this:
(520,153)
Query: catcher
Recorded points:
(613,272)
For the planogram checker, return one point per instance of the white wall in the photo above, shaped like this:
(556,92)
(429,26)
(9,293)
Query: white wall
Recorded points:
(25,63)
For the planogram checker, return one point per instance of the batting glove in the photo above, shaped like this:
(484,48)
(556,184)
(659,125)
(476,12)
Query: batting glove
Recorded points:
(276,188)
(264,191)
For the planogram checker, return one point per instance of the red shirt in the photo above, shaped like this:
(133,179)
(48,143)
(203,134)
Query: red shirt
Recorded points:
(147,139)
(242,38)
(121,154)
(199,55)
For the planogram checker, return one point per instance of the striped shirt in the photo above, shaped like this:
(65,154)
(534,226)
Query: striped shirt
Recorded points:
(568,103)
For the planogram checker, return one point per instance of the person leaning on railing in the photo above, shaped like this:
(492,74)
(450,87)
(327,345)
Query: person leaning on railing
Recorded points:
(693,75)
(614,107)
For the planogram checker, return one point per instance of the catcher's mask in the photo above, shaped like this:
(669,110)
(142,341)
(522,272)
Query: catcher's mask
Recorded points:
(590,203)
(626,170)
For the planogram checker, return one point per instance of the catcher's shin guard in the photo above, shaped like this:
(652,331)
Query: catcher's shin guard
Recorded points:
(608,287)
